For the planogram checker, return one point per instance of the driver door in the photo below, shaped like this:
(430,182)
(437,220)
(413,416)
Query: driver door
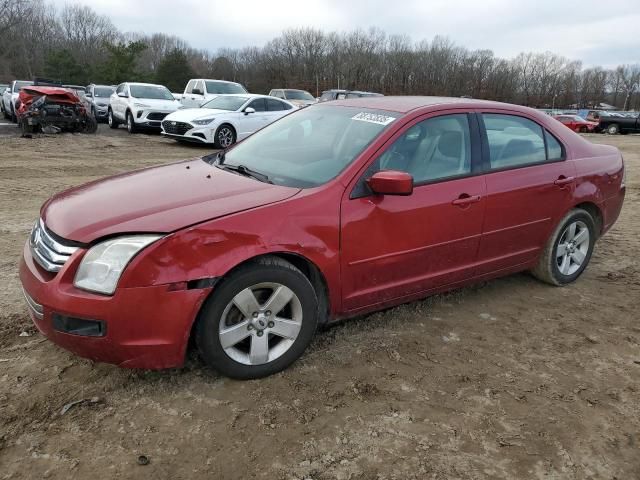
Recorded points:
(397,246)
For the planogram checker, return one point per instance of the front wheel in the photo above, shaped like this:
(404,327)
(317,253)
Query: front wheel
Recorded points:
(257,321)
(113,123)
(225,136)
(131,124)
(613,129)
(568,250)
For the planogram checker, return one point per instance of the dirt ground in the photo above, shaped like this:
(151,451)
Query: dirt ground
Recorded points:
(510,379)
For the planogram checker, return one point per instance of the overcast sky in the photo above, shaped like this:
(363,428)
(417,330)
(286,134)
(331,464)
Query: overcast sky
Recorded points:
(598,32)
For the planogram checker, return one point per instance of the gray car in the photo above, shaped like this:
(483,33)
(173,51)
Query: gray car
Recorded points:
(98,98)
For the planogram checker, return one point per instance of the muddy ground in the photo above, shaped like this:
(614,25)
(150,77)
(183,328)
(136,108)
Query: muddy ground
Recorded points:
(510,379)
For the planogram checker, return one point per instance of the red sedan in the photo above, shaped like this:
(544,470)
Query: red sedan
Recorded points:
(577,123)
(335,210)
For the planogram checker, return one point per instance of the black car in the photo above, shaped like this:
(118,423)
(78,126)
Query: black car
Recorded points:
(337,94)
(619,122)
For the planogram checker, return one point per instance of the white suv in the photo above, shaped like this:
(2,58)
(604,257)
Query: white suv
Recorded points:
(140,105)
(10,96)
(200,90)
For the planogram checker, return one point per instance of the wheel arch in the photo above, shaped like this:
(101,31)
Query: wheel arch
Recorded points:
(594,210)
(308,268)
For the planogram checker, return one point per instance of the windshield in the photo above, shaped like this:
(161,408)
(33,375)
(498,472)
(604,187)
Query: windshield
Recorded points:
(102,92)
(311,146)
(226,103)
(150,92)
(19,85)
(222,88)
(297,95)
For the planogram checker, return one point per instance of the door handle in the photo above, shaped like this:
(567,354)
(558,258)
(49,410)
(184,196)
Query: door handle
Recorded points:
(562,180)
(465,199)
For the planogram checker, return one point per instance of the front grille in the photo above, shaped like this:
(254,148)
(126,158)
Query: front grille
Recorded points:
(176,128)
(156,116)
(47,251)
(34,307)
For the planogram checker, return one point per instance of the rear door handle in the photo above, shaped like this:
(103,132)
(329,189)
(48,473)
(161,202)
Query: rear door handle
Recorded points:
(564,180)
(466,199)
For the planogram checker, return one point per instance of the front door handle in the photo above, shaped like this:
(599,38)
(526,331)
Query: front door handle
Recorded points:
(465,199)
(562,180)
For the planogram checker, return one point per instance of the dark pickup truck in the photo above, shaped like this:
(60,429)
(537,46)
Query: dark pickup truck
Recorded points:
(614,123)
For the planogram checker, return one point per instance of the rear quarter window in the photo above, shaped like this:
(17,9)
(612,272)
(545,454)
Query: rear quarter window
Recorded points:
(517,141)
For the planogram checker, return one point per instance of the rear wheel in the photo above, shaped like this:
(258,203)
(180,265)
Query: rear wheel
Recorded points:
(258,321)
(225,136)
(113,123)
(568,250)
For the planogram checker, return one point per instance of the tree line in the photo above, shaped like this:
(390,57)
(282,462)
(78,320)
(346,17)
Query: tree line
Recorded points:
(76,45)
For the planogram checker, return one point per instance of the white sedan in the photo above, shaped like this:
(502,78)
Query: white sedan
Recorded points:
(225,119)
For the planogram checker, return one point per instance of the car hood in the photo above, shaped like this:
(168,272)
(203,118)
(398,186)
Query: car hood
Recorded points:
(157,103)
(191,114)
(159,199)
(302,102)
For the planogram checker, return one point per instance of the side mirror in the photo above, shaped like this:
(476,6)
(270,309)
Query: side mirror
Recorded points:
(391,182)
(197,91)
(123,95)
(249,110)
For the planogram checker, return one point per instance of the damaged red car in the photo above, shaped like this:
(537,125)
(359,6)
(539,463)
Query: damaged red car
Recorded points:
(53,110)
(336,210)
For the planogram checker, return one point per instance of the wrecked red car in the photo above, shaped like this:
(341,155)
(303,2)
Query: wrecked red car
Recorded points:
(53,110)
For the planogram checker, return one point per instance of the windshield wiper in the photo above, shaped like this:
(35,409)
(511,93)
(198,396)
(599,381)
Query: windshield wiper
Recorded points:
(246,171)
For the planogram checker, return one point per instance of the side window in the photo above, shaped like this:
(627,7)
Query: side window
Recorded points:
(278,93)
(120,88)
(190,86)
(326,96)
(341,96)
(259,105)
(274,105)
(554,147)
(433,149)
(513,141)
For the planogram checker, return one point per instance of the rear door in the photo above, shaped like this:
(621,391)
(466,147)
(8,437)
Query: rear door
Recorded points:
(530,187)
(396,246)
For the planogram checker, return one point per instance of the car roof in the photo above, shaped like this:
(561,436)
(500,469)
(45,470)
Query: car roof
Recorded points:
(213,80)
(145,84)
(405,104)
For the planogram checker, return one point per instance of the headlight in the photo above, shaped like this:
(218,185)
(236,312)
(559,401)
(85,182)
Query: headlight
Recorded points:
(141,105)
(103,264)
(203,121)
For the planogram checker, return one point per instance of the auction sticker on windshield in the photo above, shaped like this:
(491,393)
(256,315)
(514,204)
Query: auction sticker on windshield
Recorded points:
(373,118)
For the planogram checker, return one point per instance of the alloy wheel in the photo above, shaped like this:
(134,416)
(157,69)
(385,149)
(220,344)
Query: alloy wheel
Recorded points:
(260,324)
(225,137)
(572,248)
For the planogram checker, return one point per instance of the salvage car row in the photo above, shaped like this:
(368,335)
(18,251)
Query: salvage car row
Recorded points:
(209,111)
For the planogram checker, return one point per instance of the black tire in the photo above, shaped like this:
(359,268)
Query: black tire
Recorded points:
(613,129)
(90,124)
(222,132)
(131,124)
(111,120)
(268,269)
(548,269)
(14,118)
